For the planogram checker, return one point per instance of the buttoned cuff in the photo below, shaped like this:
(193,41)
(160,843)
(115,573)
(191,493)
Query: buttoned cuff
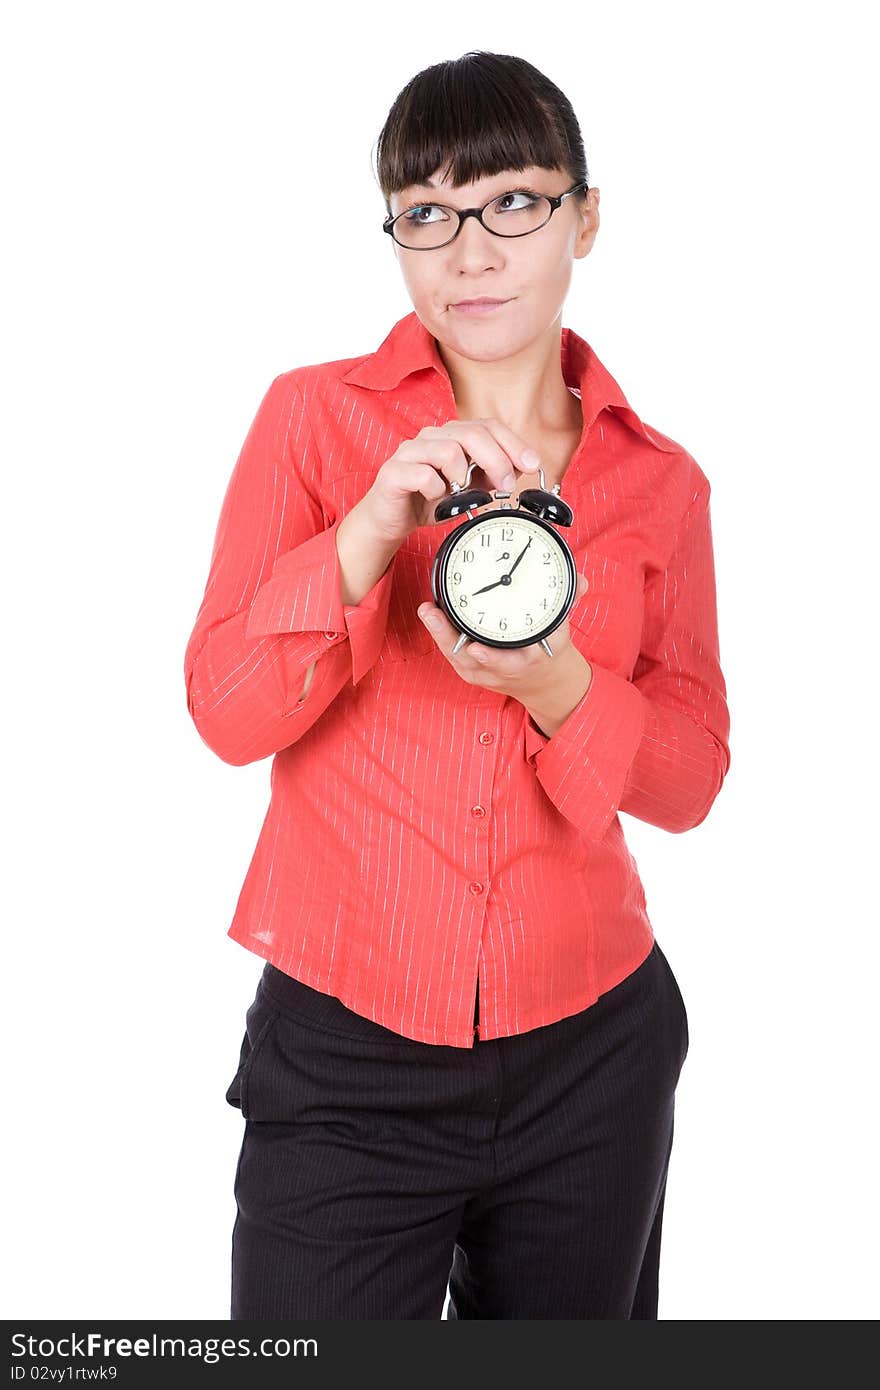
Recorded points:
(584,766)
(304,594)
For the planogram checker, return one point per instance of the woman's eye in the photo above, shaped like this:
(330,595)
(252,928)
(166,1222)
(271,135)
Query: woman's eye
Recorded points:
(416,214)
(527,200)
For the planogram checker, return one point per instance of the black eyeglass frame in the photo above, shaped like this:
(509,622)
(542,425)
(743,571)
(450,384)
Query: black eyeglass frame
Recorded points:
(462,213)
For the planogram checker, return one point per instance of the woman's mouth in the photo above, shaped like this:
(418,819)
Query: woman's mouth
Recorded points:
(478,306)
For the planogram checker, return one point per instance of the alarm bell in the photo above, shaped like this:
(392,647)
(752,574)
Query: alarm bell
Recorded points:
(464,500)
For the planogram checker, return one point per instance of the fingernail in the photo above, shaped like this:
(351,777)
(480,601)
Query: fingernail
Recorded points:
(508,482)
(530,458)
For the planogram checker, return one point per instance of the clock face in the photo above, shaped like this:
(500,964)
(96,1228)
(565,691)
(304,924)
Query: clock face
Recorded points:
(507,577)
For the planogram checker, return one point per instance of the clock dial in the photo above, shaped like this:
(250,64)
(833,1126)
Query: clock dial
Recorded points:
(507,577)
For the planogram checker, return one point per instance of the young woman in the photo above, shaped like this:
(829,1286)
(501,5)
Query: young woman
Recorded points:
(458,1071)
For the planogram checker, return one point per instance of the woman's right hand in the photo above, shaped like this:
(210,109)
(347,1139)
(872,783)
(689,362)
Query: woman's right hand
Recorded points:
(411,482)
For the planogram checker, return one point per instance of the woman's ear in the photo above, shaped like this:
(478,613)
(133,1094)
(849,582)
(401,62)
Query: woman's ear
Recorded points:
(589,223)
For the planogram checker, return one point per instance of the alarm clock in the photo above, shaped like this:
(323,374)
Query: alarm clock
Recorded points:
(505,578)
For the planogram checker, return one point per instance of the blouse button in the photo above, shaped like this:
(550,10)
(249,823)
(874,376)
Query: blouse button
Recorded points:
(478,812)
(330,636)
(487,738)
(475,887)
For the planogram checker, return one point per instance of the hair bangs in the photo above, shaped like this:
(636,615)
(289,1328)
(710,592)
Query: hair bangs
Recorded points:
(475,116)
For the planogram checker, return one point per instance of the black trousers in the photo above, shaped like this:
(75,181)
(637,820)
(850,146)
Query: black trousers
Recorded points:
(527,1174)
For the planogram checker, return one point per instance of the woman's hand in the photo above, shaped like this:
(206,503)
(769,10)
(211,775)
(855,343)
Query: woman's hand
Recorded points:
(548,687)
(409,485)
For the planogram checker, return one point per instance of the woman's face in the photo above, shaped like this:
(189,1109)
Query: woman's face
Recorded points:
(532,273)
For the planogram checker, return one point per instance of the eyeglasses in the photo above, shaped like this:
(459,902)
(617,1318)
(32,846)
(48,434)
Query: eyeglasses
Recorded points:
(518,213)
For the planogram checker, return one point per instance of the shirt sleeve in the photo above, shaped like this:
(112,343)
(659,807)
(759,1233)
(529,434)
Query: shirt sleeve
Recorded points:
(272,604)
(655,746)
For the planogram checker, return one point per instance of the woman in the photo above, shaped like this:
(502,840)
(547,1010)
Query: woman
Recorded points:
(460,1064)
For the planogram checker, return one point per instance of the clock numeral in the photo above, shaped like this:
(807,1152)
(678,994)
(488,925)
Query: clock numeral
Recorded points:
(546,557)
(467,556)
(462,600)
(485,539)
(507,533)
(502,623)
(481,616)
(530,620)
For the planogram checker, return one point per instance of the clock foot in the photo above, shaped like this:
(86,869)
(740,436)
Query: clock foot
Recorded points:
(460,643)
(546,645)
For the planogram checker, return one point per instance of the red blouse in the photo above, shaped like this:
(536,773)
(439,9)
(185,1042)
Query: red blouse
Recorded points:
(422,832)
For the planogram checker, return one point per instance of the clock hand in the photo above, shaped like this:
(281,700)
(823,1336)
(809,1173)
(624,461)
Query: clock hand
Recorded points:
(504,577)
(520,555)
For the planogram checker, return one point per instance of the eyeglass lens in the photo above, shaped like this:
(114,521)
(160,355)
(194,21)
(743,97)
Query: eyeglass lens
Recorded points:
(511,214)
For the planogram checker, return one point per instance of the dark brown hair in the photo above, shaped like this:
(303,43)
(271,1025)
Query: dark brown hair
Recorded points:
(476,116)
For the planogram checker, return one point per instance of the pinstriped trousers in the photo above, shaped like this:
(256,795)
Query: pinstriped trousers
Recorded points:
(524,1176)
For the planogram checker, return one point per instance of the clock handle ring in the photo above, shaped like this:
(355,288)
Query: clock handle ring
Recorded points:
(459,487)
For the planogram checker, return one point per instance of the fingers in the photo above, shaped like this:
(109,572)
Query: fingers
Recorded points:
(519,451)
(446,636)
(441,455)
(497,450)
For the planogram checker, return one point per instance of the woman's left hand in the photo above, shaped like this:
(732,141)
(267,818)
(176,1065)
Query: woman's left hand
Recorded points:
(525,673)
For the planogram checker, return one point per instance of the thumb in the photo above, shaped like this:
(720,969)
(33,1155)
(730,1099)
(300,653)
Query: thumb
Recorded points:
(582,586)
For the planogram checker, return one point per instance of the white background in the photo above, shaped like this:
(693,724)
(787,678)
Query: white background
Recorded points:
(192,209)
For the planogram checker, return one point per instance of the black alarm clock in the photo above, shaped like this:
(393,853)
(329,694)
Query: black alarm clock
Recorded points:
(505,578)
